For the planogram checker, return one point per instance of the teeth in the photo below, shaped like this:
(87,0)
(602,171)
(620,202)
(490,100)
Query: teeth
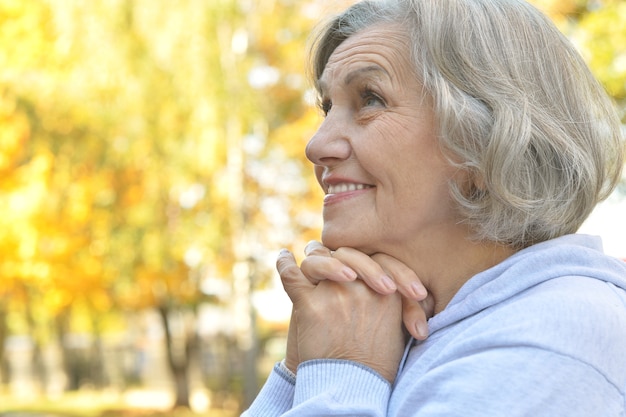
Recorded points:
(346,187)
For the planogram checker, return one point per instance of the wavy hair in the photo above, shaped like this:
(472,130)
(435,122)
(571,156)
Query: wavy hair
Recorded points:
(517,108)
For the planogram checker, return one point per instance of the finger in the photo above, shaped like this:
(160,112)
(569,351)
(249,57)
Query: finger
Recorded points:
(316,248)
(293,280)
(367,269)
(428,305)
(407,281)
(415,316)
(319,268)
(292,359)
(319,265)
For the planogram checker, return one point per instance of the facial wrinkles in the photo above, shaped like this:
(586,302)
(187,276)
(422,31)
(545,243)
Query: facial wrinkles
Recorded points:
(360,51)
(404,93)
(388,49)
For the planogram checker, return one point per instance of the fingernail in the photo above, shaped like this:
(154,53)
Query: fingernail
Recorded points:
(422,329)
(419,290)
(349,273)
(283,251)
(307,247)
(388,283)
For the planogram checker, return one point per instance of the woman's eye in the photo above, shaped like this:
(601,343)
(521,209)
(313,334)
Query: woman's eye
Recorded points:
(372,99)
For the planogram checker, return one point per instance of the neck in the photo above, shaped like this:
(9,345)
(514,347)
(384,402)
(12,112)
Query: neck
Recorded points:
(444,266)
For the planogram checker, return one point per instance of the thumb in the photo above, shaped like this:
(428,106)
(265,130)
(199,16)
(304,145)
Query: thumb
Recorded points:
(294,281)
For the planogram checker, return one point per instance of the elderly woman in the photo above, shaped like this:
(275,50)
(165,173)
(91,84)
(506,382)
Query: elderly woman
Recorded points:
(464,143)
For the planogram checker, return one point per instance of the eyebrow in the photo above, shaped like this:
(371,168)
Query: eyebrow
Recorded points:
(352,75)
(362,71)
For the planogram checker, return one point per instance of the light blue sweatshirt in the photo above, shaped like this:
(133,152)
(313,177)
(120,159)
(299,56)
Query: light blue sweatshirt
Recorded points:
(541,334)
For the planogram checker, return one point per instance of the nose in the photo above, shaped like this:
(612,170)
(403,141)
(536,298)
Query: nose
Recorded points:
(330,144)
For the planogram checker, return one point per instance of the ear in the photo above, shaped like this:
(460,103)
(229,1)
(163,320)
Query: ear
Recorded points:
(477,181)
(471,183)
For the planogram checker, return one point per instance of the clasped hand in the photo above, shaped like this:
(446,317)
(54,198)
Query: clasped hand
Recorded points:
(348,305)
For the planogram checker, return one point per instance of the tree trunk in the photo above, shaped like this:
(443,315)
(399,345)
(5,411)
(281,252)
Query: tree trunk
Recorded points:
(68,358)
(38,371)
(179,350)
(181,384)
(4,333)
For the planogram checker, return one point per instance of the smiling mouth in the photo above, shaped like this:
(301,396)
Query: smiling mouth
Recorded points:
(346,187)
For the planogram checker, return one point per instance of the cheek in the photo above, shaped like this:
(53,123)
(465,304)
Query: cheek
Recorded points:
(408,151)
(420,176)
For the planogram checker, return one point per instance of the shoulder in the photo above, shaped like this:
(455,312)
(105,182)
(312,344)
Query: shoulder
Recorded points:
(578,317)
(564,289)
(566,307)
(556,348)
(591,306)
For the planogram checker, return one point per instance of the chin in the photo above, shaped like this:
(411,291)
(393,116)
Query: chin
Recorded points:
(330,240)
(334,241)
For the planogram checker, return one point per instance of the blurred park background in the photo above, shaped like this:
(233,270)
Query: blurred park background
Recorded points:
(151,167)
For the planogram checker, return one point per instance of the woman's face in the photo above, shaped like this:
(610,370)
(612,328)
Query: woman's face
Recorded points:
(376,153)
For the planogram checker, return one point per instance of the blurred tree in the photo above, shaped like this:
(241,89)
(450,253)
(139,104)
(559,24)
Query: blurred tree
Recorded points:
(24,168)
(598,29)
(145,161)
(602,35)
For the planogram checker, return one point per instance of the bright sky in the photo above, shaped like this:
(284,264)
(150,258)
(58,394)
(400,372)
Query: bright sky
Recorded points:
(609,221)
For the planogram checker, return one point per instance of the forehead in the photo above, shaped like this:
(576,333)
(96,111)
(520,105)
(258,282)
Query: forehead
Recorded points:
(376,51)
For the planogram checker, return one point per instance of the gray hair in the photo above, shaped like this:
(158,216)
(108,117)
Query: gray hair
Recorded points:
(516,107)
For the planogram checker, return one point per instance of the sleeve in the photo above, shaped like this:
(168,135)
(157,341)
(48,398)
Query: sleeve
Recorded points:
(339,387)
(276,396)
(324,387)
